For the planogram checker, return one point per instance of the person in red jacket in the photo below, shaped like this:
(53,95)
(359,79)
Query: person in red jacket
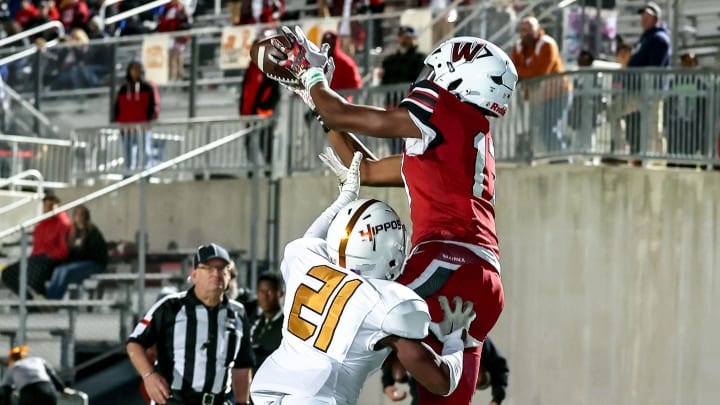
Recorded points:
(137,102)
(259,96)
(175,17)
(74,14)
(49,249)
(347,75)
(26,13)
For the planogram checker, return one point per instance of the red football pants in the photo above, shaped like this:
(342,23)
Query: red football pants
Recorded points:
(435,269)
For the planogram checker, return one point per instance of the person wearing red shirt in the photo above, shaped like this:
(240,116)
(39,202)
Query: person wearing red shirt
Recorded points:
(347,75)
(74,14)
(27,13)
(137,102)
(49,249)
(259,96)
(176,18)
(447,168)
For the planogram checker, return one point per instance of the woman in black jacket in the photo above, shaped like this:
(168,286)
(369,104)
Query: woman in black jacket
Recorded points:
(88,254)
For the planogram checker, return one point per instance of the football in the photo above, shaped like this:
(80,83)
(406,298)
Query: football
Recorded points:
(260,54)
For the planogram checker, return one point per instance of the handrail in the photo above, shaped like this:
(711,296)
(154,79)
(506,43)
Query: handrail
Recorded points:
(103,11)
(26,173)
(130,180)
(168,121)
(542,15)
(475,11)
(135,11)
(35,140)
(31,108)
(33,31)
(27,52)
(13,180)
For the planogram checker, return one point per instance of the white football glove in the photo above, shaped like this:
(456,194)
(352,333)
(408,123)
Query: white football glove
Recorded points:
(345,176)
(455,322)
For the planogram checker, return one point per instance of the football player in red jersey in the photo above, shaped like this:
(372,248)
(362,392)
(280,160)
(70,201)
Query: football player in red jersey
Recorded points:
(447,168)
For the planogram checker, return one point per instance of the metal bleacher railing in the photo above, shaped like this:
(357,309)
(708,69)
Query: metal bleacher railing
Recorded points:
(252,129)
(649,115)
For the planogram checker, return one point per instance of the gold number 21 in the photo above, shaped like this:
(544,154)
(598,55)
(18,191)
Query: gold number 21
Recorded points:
(317,301)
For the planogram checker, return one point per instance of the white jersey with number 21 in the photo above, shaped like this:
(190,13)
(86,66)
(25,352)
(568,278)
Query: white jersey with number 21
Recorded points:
(333,319)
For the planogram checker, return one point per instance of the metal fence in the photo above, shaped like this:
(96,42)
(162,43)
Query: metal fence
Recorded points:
(51,157)
(126,149)
(648,115)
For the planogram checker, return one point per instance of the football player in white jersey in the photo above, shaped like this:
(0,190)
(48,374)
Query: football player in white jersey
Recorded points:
(343,313)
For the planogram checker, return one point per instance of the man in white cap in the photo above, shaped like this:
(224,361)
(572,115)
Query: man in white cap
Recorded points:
(653,48)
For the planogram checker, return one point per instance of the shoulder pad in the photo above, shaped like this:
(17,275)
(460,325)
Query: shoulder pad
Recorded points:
(407,315)
(408,319)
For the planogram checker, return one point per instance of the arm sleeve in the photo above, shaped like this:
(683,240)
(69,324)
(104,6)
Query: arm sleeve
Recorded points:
(116,107)
(493,361)
(154,103)
(56,381)
(420,103)
(245,357)
(146,331)
(657,51)
(387,378)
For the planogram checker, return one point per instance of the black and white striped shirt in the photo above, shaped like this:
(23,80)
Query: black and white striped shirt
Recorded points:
(197,346)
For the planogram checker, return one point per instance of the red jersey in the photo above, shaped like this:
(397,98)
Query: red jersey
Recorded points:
(450,172)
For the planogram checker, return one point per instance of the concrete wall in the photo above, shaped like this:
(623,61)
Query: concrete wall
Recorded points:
(610,274)
(190,213)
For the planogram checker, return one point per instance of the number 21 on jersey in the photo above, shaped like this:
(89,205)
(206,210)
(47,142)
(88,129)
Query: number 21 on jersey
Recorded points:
(484,185)
(319,302)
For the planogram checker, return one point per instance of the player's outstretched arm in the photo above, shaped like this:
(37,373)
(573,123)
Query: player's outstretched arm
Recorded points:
(349,179)
(340,115)
(373,172)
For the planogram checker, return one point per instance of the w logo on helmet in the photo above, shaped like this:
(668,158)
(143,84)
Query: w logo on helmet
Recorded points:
(466,50)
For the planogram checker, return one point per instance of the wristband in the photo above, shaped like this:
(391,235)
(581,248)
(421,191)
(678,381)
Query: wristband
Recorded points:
(148,374)
(311,77)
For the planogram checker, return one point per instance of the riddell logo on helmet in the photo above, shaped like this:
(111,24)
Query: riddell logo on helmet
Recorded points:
(466,50)
(373,230)
(498,109)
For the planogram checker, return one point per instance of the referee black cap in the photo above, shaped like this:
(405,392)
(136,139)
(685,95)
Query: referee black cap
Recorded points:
(208,252)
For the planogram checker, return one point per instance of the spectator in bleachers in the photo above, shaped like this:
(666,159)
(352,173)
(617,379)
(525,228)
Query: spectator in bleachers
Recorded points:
(405,64)
(261,11)
(49,249)
(137,102)
(259,95)
(76,68)
(33,378)
(176,17)
(235,7)
(73,13)
(266,331)
(536,54)
(653,49)
(27,13)
(88,254)
(687,110)
(347,75)
(46,12)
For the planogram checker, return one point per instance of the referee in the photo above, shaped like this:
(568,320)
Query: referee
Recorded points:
(200,337)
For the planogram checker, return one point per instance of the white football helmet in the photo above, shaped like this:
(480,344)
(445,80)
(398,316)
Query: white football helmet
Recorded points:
(368,238)
(475,70)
